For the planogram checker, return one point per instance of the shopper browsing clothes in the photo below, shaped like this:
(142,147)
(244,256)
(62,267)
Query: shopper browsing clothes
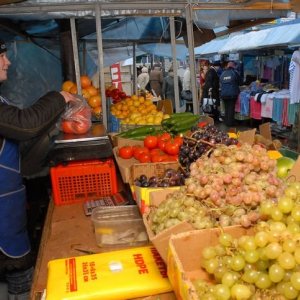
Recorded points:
(16,258)
(230,81)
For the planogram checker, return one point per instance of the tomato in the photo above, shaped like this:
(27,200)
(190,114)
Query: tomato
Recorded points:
(144,158)
(157,158)
(126,152)
(162,145)
(178,140)
(67,126)
(140,150)
(173,158)
(164,136)
(172,148)
(81,127)
(155,151)
(150,141)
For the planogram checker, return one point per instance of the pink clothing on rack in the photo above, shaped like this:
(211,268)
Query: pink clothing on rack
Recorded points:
(238,104)
(255,109)
(267,108)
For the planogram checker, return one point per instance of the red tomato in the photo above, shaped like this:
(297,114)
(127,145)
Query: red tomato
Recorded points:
(157,158)
(173,158)
(172,148)
(178,140)
(164,136)
(81,127)
(126,152)
(140,150)
(67,126)
(155,151)
(144,158)
(162,145)
(150,141)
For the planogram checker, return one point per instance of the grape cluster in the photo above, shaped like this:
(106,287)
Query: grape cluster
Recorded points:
(241,176)
(265,265)
(170,177)
(199,142)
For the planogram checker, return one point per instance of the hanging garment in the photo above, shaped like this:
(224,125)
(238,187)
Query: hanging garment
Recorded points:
(267,108)
(294,70)
(255,109)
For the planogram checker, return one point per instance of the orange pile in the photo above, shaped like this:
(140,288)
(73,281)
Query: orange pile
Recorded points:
(89,92)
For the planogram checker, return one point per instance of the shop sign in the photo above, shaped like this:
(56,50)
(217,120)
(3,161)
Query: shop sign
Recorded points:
(115,71)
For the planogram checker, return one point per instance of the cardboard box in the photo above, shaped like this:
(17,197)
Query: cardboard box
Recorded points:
(131,168)
(161,240)
(142,196)
(184,258)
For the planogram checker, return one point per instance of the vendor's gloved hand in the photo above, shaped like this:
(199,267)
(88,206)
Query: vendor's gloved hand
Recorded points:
(68,96)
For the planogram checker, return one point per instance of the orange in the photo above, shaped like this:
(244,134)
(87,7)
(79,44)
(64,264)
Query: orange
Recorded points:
(134,97)
(85,81)
(97,111)
(66,86)
(73,89)
(94,101)
(92,90)
(85,94)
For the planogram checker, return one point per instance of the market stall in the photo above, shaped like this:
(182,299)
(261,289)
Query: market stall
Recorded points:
(166,154)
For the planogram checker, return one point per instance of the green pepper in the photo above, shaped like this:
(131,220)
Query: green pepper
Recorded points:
(138,132)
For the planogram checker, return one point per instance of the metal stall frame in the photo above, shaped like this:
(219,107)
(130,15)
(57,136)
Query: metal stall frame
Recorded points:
(102,8)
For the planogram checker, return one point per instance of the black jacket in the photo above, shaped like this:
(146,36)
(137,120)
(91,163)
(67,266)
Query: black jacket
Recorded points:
(31,125)
(211,81)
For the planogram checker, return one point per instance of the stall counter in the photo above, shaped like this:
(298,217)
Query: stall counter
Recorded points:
(66,229)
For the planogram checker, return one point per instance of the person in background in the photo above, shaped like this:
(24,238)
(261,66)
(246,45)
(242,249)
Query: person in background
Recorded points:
(230,81)
(143,79)
(203,71)
(211,87)
(156,79)
(16,125)
(168,91)
(186,90)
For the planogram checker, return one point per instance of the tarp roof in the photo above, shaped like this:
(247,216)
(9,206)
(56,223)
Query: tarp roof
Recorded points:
(287,34)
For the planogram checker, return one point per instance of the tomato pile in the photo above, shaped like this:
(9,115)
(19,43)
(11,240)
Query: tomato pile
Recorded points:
(159,148)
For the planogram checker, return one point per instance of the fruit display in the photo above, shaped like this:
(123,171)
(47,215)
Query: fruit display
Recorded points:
(264,265)
(224,188)
(90,93)
(136,110)
(115,94)
(170,177)
(200,141)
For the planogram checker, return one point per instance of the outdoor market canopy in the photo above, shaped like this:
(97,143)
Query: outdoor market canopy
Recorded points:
(287,34)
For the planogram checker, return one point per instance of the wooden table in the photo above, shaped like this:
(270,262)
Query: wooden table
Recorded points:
(66,229)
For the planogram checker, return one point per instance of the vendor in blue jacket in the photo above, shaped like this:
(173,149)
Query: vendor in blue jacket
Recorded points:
(16,259)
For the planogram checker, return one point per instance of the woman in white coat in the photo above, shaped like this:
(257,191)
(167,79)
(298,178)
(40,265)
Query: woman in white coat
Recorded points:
(143,79)
(294,70)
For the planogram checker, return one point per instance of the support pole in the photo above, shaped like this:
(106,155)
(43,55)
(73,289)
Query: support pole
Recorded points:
(101,64)
(75,53)
(134,79)
(190,36)
(173,43)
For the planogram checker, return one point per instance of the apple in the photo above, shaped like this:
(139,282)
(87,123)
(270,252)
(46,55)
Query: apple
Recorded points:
(284,164)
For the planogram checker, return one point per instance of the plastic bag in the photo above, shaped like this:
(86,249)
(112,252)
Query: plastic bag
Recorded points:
(77,117)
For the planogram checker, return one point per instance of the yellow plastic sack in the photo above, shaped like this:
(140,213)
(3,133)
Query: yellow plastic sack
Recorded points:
(116,275)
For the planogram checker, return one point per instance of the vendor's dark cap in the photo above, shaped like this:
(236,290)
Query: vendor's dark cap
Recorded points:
(2,46)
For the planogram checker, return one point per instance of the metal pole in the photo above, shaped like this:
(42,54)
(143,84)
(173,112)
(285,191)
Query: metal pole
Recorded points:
(101,64)
(75,53)
(134,79)
(173,43)
(190,36)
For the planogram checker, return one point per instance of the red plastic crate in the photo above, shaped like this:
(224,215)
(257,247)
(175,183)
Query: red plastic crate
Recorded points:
(83,180)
